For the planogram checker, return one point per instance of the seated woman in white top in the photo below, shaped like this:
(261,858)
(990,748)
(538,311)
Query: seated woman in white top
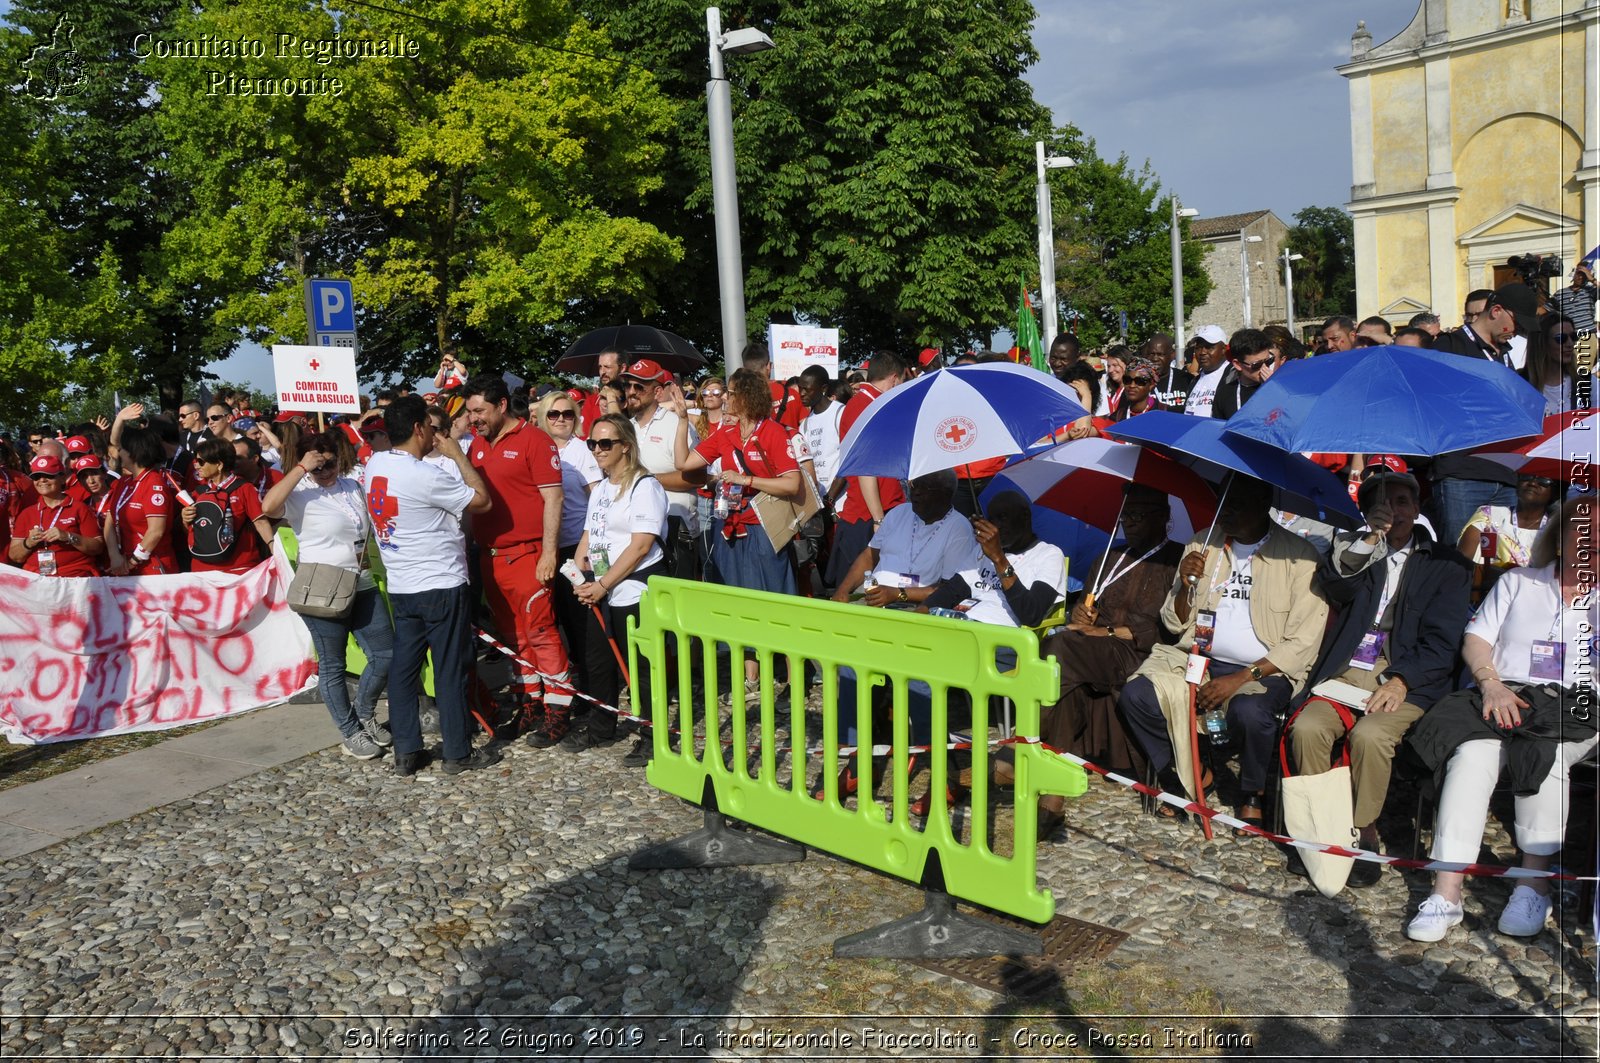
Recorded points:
(1531,652)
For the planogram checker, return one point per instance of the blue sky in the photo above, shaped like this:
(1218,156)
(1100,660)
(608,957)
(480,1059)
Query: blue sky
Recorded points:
(1235,103)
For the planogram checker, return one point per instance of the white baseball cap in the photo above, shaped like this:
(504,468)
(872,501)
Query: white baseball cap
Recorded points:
(1212,334)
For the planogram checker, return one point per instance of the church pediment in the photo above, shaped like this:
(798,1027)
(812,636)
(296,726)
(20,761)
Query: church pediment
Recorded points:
(1519,220)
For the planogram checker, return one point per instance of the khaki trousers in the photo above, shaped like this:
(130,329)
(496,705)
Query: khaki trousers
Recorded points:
(1372,743)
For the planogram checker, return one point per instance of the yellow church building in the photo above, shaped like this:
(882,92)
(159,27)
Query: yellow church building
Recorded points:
(1475,137)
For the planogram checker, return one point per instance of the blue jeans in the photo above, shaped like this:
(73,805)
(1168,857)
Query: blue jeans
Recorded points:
(368,621)
(441,622)
(1455,501)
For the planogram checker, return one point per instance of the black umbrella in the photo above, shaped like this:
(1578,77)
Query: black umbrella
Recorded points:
(674,353)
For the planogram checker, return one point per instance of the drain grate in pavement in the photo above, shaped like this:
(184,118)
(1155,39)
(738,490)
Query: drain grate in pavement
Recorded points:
(1068,943)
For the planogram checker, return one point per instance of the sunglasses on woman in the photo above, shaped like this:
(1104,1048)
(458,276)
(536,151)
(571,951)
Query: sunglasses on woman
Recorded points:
(563,414)
(603,444)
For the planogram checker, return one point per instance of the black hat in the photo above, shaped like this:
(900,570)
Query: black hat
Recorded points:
(1521,301)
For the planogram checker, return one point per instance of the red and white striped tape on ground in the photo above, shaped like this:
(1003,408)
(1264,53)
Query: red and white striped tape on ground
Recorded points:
(1181,803)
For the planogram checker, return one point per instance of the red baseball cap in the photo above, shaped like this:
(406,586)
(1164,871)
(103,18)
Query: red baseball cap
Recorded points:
(1392,462)
(88,463)
(645,369)
(576,395)
(78,445)
(45,465)
(352,435)
(926,358)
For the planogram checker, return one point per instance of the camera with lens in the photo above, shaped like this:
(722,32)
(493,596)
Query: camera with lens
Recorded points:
(1535,268)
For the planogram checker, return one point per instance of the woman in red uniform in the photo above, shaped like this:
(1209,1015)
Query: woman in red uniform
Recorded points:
(138,523)
(57,535)
(226,529)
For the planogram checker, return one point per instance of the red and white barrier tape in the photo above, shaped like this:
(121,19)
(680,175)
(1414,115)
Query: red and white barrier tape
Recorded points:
(1183,804)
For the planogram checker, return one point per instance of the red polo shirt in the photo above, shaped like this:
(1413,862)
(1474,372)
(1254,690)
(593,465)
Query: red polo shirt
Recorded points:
(514,469)
(889,492)
(787,409)
(71,517)
(137,499)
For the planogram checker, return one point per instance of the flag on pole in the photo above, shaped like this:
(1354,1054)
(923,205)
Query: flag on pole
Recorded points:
(1592,259)
(1028,330)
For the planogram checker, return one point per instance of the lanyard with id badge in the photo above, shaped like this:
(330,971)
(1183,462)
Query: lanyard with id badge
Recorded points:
(1547,657)
(1374,642)
(45,556)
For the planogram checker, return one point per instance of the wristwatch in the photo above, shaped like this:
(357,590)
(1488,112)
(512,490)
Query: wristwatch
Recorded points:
(901,595)
(1255,671)
(1010,570)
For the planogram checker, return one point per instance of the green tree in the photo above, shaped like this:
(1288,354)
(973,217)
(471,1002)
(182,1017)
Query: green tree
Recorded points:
(474,188)
(93,298)
(1325,282)
(884,155)
(1114,246)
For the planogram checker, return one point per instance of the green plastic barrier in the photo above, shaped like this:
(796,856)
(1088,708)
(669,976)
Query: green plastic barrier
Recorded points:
(354,660)
(882,647)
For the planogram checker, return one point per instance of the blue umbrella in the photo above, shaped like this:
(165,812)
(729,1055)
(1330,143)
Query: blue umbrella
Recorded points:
(957,416)
(1299,485)
(1390,400)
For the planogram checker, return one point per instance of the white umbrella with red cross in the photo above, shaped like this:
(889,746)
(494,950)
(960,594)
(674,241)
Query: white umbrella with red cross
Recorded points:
(958,416)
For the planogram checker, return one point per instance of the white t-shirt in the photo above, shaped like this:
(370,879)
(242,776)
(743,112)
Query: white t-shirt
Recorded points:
(1235,640)
(656,441)
(914,554)
(578,471)
(331,525)
(1204,394)
(611,522)
(416,513)
(1040,563)
(1524,609)
(449,465)
(821,432)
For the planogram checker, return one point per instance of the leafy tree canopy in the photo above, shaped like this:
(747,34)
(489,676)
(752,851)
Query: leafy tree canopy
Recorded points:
(1325,282)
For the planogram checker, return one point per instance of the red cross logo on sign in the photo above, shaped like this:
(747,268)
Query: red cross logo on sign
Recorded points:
(314,364)
(955,433)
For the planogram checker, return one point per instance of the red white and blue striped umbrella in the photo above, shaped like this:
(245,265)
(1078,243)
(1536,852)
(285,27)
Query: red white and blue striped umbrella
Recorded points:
(958,416)
(1565,450)
(1084,479)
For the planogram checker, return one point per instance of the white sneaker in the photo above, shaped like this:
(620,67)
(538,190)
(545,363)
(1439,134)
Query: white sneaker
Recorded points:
(1524,913)
(1434,919)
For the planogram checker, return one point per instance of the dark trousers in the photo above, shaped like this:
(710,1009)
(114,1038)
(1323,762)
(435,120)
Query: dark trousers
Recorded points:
(605,676)
(439,622)
(572,618)
(1252,720)
(683,551)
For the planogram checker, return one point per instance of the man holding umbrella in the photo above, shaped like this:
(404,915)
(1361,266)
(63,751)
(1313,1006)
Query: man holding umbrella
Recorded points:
(1402,601)
(1253,610)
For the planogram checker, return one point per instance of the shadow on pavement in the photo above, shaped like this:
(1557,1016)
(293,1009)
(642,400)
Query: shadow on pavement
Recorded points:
(575,961)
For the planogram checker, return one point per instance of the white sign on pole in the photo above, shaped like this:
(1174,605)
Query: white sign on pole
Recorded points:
(316,378)
(794,347)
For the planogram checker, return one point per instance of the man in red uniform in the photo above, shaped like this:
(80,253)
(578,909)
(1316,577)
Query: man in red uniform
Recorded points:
(251,469)
(870,496)
(56,536)
(607,367)
(520,537)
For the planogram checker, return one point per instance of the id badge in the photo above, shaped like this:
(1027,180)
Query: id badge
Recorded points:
(47,562)
(1195,673)
(965,606)
(1205,629)
(1547,661)
(1371,648)
(600,562)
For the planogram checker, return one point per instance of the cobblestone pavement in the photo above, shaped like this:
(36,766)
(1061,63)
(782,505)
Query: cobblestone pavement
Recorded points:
(330,908)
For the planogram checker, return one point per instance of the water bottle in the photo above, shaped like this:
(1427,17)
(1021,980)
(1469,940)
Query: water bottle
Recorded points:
(948,614)
(1215,725)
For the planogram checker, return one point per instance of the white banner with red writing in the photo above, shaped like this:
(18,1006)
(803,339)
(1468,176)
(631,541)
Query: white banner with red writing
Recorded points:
(101,656)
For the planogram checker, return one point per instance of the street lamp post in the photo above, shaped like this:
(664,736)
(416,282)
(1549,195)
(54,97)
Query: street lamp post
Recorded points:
(1047,242)
(1177,271)
(1244,271)
(724,185)
(1288,287)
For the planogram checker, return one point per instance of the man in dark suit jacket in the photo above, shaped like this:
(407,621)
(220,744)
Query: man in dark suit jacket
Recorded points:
(1462,484)
(1402,601)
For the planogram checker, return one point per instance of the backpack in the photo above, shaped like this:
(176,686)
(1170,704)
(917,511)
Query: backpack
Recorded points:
(212,532)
